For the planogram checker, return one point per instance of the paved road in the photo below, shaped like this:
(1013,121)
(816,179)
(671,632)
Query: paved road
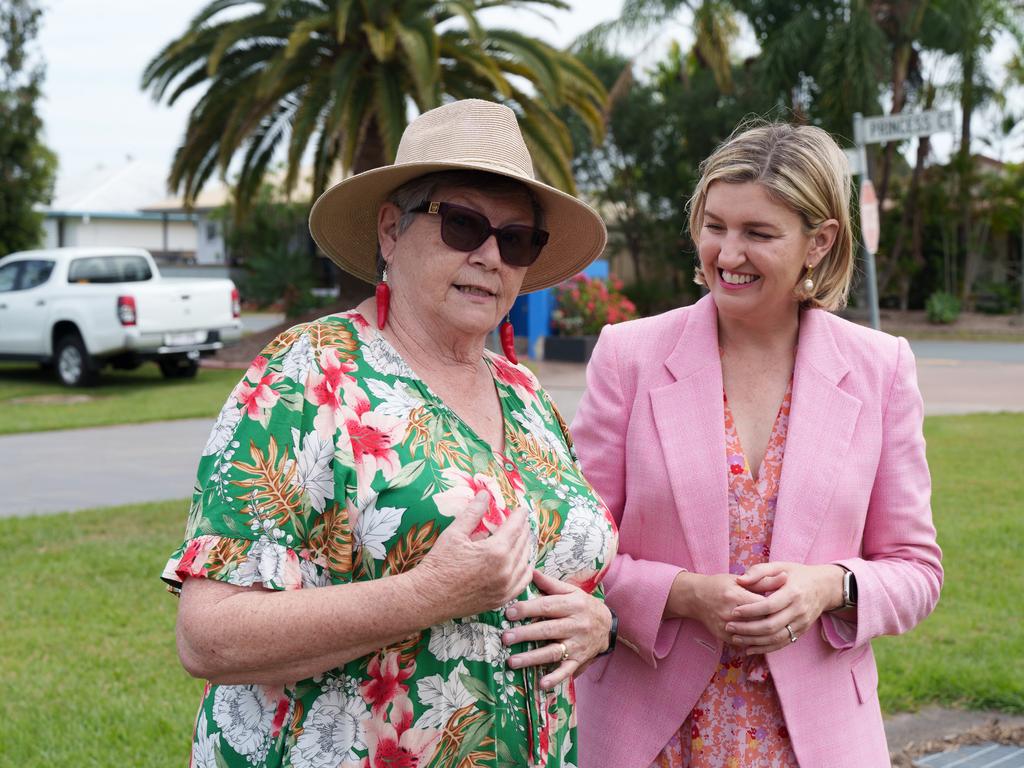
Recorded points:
(154,462)
(47,472)
(970,351)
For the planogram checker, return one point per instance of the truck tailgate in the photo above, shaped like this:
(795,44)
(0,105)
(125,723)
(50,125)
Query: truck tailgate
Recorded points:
(169,306)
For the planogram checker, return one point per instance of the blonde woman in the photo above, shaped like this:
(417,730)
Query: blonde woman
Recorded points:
(765,463)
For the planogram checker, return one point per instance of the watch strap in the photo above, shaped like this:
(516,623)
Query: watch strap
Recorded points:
(613,632)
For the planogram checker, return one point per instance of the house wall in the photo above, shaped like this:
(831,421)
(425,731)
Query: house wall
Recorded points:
(210,248)
(135,233)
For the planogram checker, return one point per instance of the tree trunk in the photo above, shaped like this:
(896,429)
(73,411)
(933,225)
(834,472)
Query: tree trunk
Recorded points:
(964,191)
(900,63)
(893,265)
(369,154)
(370,150)
(910,214)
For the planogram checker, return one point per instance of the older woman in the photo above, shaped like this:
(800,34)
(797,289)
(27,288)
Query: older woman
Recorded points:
(765,462)
(391,552)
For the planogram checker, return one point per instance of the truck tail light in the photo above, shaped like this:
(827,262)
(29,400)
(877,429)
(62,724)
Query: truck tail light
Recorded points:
(236,303)
(126,310)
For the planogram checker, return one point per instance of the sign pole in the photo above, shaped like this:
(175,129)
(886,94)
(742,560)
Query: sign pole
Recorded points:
(869,257)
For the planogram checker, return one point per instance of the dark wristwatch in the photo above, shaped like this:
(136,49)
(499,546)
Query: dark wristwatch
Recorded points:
(613,633)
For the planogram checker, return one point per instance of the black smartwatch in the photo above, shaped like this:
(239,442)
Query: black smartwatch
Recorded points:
(613,633)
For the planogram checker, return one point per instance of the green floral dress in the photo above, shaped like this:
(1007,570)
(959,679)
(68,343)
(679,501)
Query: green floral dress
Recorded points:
(332,462)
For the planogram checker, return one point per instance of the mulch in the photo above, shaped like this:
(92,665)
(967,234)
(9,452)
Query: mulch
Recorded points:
(239,355)
(1012,735)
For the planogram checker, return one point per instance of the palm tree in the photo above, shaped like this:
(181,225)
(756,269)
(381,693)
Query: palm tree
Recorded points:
(336,78)
(967,30)
(714,28)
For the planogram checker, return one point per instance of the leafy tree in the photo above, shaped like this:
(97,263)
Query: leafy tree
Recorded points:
(967,30)
(27,167)
(336,78)
(659,129)
(271,244)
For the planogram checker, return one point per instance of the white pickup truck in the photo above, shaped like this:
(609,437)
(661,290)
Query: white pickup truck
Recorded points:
(79,309)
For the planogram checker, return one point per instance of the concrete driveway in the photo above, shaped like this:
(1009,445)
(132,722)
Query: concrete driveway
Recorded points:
(154,462)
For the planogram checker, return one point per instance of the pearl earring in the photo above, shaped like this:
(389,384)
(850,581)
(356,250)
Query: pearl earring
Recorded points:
(809,280)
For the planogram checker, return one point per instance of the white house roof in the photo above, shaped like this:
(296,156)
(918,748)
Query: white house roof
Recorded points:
(132,186)
(213,195)
(217,193)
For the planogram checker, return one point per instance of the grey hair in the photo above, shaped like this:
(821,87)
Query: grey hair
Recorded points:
(420,190)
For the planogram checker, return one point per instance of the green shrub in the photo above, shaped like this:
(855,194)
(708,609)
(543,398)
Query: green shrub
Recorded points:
(942,308)
(270,241)
(996,298)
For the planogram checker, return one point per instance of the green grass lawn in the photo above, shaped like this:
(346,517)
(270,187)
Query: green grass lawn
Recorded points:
(970,651)
(32,401)
(90,676)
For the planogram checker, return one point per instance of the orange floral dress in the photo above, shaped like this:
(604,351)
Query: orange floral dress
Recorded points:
(738,722)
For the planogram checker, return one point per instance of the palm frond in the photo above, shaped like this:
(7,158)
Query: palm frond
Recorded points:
(528,55)
(254,26)
(338,75)
(421,48)
(389,98)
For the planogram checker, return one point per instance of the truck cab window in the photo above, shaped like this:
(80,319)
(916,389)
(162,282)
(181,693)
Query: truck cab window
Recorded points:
(35,273)
(109,269)
(8,276)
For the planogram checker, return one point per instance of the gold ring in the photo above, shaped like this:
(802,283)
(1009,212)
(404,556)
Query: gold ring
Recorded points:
(565,652)
(792,634)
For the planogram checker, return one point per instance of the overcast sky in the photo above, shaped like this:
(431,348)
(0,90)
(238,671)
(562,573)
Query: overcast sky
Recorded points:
(96,50)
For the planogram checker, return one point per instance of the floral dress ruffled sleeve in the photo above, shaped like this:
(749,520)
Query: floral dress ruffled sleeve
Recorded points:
(269,503)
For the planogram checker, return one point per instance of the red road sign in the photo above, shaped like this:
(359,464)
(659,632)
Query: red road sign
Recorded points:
(869,224)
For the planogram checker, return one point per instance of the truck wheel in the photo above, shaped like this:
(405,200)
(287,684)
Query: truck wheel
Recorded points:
(178,368)
(73,364)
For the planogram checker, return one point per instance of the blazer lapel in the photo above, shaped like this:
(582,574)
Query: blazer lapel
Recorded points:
(821,424)
(689,417)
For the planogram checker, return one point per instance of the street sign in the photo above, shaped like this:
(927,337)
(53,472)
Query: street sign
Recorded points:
(874,130)
(870,227)
(853,158)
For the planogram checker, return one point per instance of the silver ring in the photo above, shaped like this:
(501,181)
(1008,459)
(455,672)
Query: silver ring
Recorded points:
(792,634)
(565,652)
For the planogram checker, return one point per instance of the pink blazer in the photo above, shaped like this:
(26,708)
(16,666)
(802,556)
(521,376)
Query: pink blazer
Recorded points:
(855,490)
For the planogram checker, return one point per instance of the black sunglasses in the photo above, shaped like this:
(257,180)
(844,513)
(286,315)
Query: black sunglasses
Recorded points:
(465,230)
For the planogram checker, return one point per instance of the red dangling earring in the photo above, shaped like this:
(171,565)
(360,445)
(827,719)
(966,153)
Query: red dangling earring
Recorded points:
(508,340)
(383,293)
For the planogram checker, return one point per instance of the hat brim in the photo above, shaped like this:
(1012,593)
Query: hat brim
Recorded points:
(343,223)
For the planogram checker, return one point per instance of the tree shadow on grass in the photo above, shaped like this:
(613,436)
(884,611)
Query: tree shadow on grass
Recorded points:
(111,381)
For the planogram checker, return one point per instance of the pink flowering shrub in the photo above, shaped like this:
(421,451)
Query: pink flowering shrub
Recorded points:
(586,304)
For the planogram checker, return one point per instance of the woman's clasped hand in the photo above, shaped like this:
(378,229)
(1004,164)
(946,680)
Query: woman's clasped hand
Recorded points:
(753,610)
(794,596)
(569,626)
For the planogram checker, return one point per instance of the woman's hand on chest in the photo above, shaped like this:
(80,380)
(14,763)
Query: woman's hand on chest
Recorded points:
(468,573)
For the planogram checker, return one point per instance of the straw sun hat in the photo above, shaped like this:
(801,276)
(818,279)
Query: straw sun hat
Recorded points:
(472,135)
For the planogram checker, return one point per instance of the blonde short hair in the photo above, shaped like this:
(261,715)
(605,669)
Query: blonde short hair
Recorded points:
(802,167)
